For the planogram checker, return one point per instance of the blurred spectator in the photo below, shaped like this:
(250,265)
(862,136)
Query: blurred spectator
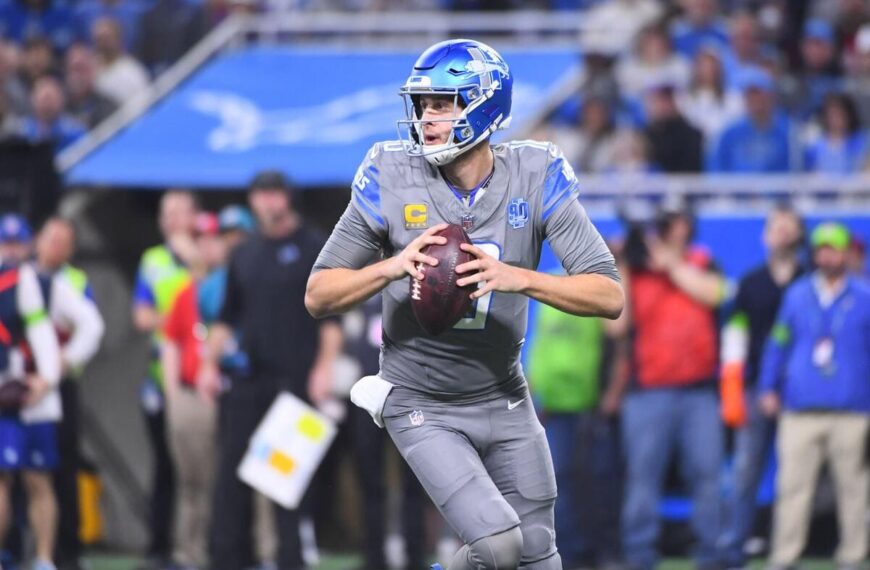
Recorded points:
(566,366)
(815,369)
(11,125)
(164,271)
(192,419)
(673,289)
(288,350)
(37,61)
(758,298)
(23,20)
(120,77)
(613,25)
(746,48)
(11,85)
(167,30)
(125,12)
(820,74)
(676,145)
(83,102)
(80,329)
(700,25)
(849,17)
(631,153)
(49,122)
(761,141)
(843,144)
(30,355)
(651,63)
(589,147)
(857,83)
(708,103)
(596,80)
(857,258)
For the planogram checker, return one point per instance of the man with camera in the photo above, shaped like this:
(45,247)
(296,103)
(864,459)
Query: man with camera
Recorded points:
(673,288)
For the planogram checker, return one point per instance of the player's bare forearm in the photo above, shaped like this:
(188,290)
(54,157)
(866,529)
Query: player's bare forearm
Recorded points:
(588,295)
(336,291)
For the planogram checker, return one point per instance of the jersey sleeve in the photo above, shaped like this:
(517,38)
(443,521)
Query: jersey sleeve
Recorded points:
(40,333)
(142,292)
(74,309)
(567,227)
(361,231)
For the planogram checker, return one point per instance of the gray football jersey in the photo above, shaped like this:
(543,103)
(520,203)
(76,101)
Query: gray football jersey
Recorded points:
(532,196)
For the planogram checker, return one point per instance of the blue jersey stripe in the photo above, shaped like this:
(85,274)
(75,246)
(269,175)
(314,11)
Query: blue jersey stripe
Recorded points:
(558,186)
(371,190)
(370,210)
(567,194)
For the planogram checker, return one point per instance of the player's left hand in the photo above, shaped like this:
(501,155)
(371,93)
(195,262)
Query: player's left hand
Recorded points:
(497,275)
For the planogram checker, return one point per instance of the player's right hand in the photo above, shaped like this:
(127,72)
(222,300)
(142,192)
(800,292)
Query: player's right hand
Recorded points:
(405,263)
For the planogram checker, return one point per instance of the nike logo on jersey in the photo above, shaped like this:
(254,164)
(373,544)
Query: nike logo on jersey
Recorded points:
(512,405)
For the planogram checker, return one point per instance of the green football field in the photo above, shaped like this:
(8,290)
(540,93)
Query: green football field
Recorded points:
(346,562)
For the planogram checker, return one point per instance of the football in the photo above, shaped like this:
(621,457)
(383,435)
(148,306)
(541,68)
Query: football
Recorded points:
(12,394)
(437,301)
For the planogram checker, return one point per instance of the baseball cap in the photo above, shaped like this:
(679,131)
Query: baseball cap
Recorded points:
(235,217)
(755,78)
(13,227)
(830,234)
(817,29)
(206,223)
(271,180)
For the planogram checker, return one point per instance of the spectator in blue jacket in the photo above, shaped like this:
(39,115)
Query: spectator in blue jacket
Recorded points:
(806,90)
(816,369)
(699,26)
(842,147)
(760,142)
(23,20)
(49,123)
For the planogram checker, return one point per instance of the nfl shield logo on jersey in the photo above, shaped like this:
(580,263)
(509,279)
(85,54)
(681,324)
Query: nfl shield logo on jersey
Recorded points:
(518,213)
(417,418)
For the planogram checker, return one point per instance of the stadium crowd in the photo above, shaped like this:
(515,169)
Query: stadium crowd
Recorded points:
(681,87)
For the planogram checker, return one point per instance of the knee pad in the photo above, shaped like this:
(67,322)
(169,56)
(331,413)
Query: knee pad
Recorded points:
(500,551)
(553,562)
(539,538)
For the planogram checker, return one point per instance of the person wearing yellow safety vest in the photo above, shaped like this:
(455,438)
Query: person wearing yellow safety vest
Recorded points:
(164,272)
(80,329)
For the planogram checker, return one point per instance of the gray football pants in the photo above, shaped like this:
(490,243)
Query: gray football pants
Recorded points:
(486,466)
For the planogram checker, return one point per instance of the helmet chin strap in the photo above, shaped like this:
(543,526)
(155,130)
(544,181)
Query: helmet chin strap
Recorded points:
(441,154)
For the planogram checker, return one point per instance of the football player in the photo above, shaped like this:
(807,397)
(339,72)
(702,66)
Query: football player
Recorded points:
(457,404)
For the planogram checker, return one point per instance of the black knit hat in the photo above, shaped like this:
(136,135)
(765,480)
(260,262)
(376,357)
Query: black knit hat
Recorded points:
(271,180)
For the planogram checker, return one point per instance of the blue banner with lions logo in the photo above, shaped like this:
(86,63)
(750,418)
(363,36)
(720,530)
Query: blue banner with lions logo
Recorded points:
(311,112)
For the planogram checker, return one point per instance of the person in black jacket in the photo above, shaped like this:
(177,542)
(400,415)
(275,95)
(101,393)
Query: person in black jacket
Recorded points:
(676,145)
(287,350)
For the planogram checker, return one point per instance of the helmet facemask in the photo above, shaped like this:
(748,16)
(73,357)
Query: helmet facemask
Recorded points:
(462,136)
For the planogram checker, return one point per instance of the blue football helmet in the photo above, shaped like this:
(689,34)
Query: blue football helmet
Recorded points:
(481,84)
